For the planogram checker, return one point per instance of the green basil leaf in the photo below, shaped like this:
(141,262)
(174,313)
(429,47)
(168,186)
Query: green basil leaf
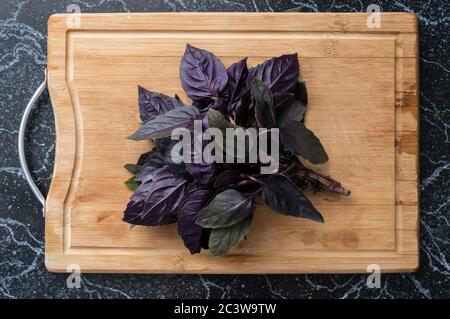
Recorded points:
(283,196)
(132,183)
(222,240)
(226,209)
(300,140)
(217,119)
(133,168)
(263,104)
(301,93)
(291,110)
(279,100)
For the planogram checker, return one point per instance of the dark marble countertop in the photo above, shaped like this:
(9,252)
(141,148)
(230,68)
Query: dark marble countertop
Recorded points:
(23,46)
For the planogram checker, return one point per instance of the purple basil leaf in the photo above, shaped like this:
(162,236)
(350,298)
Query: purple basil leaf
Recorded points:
(237,80)
(305,176)
(242,110)
(164,146)
(151,175)
(164,124)
(134,208)
(188,213)
(234,108)
(203,173)
(286,156)
(142,191)
(161,198)
(143,157)
(176,97)
(225,209)
(204,240)
(283,196)
(152,161)
(152,104)
(136,204)
(227,178)
(263,104)
(220,104)
(203,105)
(279,73)
(300,140)
(173,188)
(202,74)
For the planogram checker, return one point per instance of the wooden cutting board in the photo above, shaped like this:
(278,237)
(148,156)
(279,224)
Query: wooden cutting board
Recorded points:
(362,85)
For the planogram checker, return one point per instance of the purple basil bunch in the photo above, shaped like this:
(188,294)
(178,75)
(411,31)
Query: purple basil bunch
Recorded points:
(214,203)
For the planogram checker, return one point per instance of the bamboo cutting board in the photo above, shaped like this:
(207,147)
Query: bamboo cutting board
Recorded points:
(362,86)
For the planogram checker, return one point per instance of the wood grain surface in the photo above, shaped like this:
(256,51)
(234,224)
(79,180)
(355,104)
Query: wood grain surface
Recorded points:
(362,86)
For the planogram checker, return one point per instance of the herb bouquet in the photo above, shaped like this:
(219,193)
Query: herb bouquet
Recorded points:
(213,202)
